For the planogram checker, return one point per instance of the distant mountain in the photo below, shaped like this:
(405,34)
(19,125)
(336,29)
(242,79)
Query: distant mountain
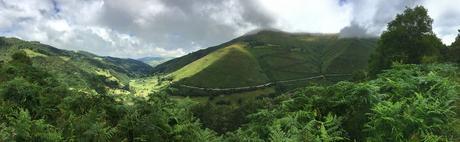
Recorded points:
(270,56)
(78,69)
(154,61)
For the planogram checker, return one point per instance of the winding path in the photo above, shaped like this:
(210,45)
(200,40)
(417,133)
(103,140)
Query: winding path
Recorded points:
(265,84)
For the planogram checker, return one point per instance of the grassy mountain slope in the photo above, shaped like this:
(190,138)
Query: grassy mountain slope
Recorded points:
(154,61)
(177,63)
(80,70)
(223,68)
(269,56)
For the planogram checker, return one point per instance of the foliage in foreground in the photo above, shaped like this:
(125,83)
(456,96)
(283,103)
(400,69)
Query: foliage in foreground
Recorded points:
(407,103)
(34,106)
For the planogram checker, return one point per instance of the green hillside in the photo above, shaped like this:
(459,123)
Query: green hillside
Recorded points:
(270,56)
(80,70)
(177,63)
(222,68)
(154,61)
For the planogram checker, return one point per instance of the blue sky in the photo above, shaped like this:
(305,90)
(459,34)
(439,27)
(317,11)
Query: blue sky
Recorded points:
(140,28)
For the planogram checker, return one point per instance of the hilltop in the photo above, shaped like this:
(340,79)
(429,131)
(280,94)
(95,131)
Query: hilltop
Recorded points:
(270,56)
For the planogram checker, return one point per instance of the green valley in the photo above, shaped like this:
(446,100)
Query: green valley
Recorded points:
(266,85)
(80,70)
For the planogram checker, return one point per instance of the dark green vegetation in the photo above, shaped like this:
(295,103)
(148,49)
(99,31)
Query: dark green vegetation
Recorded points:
(46,94)
(415,101)
(453,52)
(406,103)
(274,57)
(35,106)
(409,39)
(80,70)
(402,104)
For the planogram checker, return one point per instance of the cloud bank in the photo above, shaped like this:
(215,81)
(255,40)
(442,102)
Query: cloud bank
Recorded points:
(140,28)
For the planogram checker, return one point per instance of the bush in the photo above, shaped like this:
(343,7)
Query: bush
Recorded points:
(406,103)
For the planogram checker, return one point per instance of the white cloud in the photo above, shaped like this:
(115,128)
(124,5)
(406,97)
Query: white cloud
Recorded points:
(59,25)
(446,15)
(375,14)
(139,28)
(324,16)
(75,25)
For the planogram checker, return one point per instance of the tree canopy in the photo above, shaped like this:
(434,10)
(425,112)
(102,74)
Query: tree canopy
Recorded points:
(408,39)
(453,51)
(456,43)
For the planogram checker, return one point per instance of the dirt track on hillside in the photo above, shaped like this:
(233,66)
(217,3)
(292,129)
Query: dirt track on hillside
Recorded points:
(265,84)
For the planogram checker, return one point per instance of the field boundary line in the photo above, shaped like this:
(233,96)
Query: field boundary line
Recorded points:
(263,85)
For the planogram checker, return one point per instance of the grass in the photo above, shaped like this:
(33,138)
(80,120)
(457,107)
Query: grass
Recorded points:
(313,55)
(32,53)
(154,61)
(232,66)
(64,58)
(144,86)
(457,103)
(234,99)
(273,56)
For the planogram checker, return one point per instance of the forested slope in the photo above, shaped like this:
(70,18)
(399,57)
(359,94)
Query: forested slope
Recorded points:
(35,106)
(80,70)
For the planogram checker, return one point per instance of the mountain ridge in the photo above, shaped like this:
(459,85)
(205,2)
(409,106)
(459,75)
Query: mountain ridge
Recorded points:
(79,69)
(154,61)
(274,56)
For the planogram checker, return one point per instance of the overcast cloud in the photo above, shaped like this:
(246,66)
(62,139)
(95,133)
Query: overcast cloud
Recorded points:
(139,28)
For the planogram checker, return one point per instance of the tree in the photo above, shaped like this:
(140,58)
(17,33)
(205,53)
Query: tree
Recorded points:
(2,41)
(456,43)
(453,53)
(409,39)
(21,57)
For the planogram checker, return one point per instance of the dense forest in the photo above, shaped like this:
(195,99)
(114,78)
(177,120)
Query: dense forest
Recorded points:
(409,92)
